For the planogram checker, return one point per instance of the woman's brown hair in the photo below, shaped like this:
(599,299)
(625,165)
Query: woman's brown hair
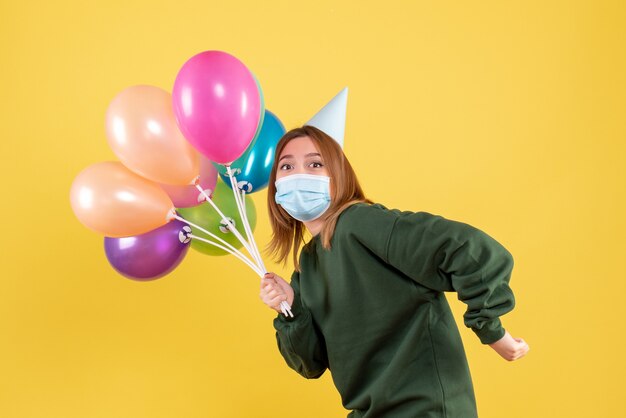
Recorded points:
(287,232)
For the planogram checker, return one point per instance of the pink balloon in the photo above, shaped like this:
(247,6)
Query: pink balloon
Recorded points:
(217,105)
(189,196)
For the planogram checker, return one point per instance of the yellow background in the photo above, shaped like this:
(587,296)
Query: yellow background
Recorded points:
(509,116)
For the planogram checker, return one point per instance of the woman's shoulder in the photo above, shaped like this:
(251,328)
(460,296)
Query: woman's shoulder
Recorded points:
(366,215)
(364,209)
(369,216)
(369,224)
(361,207)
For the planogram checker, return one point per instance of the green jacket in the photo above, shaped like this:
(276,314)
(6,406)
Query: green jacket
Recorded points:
(372,311)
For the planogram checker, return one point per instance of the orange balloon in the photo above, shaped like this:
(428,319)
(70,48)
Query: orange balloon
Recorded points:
(142,131)
(109,198)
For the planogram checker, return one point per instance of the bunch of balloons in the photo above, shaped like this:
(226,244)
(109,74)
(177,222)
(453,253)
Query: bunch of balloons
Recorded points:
(163,195)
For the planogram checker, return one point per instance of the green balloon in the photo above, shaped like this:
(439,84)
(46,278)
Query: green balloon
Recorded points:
(206,216)
(258,86)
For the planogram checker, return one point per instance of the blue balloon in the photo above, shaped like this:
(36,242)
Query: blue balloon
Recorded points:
(253,168)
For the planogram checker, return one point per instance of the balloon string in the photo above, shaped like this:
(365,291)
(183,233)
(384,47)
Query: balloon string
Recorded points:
(225,219)
(244,217)
(245,214)
(240,200)
(240,256)
(285,308)
(232,249)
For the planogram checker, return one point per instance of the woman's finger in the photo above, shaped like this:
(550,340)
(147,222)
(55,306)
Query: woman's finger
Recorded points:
(275,302)
(269,301)
(265,282)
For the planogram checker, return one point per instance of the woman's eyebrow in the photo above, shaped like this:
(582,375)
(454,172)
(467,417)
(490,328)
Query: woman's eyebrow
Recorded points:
(310,154)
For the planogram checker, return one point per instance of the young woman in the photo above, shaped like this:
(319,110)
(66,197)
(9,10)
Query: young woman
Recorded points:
(367,290)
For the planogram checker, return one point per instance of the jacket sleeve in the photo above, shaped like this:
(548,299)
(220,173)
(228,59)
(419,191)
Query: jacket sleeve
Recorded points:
(299,341)
(446,255)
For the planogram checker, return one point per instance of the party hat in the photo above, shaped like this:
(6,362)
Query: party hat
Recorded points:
(332,118)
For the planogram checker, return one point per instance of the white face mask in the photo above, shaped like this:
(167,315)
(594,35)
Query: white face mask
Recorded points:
(304,196)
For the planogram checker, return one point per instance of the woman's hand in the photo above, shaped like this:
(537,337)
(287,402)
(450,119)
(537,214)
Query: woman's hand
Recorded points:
(510,348)
(274,290)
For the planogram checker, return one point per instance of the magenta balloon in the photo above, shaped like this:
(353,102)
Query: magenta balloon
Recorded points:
(217,105)
(189,196)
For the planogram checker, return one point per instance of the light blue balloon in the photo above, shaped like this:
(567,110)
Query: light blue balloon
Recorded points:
(253,168)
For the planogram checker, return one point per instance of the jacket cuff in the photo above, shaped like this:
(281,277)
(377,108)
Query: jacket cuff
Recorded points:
(296,310)
(490,332)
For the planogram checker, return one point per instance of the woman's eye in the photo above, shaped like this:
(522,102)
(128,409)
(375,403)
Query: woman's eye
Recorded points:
(285,166)
(317,165)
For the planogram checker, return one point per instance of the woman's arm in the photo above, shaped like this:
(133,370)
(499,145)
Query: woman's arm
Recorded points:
(299,341)
(446,255)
